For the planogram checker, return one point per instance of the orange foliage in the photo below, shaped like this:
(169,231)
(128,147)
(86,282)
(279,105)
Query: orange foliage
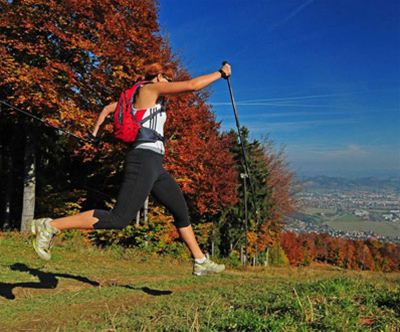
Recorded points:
(281,203)
(198,156)
(65,60)
(58,59)
(351,254)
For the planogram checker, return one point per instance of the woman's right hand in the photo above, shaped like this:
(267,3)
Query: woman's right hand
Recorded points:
(226,68)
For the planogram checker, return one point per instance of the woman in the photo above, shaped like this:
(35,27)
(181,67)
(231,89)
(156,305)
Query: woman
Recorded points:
(144,174)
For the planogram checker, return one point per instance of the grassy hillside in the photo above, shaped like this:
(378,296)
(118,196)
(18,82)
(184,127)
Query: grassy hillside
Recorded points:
(86,289)
(348,222)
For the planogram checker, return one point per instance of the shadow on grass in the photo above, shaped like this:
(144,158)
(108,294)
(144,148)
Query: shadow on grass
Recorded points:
(147,290)
(47,280)
(390,301)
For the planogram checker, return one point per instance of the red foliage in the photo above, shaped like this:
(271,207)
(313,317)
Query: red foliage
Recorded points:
(65,60)
(198,156)
(62,59)
(351,254)
(281,203)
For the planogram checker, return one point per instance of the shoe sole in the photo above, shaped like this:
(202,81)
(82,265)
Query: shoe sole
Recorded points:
(202,274)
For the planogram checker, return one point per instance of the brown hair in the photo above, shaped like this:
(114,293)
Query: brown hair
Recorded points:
(153,69)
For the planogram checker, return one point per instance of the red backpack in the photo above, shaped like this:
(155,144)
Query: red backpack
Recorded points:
(128,121)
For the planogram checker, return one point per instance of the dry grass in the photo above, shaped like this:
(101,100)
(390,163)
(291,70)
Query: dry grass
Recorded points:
(86,289)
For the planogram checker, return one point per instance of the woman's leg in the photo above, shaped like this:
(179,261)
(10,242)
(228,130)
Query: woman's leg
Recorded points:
(84,220)
(189,238)
(168,193)
(141,171)
(46,229)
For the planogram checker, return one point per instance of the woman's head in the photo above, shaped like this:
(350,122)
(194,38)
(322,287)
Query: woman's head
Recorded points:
(156,70)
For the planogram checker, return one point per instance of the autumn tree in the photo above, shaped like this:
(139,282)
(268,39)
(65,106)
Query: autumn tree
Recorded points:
(198,156)
(367,254)
(280,183)
(308,245)
(291,245)
(232,228)
(271,180)
(63,61)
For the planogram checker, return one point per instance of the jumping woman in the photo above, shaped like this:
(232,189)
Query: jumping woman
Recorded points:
(144,172)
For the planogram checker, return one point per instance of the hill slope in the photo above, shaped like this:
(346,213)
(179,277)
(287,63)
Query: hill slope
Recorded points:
(84,289)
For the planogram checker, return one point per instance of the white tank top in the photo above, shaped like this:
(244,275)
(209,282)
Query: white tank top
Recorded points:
(156,123)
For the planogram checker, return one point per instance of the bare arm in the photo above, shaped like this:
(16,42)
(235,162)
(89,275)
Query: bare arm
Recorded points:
(198,83)
(102,116)
(195,84)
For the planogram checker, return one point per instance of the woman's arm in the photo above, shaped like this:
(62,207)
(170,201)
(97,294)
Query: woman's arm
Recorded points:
(195,84)
(102,116)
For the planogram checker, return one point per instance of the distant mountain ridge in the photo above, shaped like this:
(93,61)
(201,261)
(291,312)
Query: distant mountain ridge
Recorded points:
(363,183)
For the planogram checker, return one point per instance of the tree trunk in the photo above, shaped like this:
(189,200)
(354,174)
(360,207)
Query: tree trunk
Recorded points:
(10,168)
(255,255)
(28,205)
(138,218)
(5,191)
(243,256)
(8,195)
(213,240)
(266,257)
(146,210)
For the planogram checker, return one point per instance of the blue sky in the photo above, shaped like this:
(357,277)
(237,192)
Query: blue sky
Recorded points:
(319,77)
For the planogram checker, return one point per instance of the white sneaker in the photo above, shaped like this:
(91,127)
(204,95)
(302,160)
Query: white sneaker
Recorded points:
(45,234)
(208,267)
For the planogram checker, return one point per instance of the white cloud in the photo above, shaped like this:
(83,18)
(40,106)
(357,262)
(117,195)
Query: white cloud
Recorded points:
(259,127)
(291,98)
(291,15)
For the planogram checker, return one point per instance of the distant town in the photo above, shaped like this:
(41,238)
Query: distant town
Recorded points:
(348,210)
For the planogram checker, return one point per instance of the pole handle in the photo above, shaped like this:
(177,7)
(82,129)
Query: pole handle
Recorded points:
(226,77)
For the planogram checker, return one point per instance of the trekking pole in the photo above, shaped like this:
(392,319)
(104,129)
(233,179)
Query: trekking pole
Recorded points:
(246,166)
(46,123)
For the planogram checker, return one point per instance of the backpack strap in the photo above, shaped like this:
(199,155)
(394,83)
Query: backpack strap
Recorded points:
(139,85)
(151,115)
(148,135)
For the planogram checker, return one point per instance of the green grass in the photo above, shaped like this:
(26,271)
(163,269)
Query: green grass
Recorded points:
(350,222)
(316,211)
(347,217)
(86,289)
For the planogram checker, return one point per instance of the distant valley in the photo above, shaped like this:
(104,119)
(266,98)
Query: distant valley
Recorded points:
(356,208)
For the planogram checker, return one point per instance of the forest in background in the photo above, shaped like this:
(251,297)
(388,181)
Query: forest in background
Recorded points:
(63,62)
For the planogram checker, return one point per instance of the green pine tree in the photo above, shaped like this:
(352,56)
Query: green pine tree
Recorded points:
(232,225)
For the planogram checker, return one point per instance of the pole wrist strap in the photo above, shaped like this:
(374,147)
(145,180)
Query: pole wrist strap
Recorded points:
(223,75)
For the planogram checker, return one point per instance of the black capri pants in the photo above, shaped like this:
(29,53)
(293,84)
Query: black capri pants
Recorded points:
(144,174)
